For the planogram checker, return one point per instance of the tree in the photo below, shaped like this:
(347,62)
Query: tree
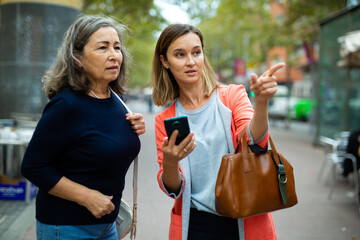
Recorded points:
(240,29)
(198,10)
(232,29)
(303,15)
(143,19)
(246,29)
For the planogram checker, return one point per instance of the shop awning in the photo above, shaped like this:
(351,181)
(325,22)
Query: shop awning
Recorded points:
(349,50)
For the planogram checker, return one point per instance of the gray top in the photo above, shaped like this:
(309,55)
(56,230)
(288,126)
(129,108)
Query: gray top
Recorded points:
(205,160)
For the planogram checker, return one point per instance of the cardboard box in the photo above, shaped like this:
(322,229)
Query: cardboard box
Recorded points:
(16,189)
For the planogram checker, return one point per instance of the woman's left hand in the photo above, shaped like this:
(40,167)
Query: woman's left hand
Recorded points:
(137,122)
(265,86)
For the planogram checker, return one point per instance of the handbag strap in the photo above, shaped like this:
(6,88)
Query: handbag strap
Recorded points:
(135,178)
(275,157)
(243,137)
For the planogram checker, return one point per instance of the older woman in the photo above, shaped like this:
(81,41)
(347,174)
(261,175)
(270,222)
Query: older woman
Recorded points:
(217,115)
(85,140)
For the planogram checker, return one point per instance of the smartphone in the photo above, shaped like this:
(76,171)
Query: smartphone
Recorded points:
(181,124)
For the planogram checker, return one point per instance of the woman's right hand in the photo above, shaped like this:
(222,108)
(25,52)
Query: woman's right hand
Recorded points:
(99,204)
(96,202)
(172,153)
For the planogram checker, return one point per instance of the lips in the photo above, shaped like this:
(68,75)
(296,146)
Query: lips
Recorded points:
(191,71)
(115,67)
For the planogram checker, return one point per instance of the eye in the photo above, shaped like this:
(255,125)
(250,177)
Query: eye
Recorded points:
(179,54)
(117,48)
(197,52)
(102,47)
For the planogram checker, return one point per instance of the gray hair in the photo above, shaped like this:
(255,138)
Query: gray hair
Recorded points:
(64,72)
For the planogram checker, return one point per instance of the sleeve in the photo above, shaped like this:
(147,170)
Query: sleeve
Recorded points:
(251,139)
(160,134)
(52,136)
(171,194)
(243,112)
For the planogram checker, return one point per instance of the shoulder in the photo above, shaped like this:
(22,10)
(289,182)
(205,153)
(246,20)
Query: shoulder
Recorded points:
(230,89)
(230,94)
(65,101)
(166,113)
(159,119)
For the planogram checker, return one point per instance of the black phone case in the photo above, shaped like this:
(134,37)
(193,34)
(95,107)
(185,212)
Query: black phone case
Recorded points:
(179,123)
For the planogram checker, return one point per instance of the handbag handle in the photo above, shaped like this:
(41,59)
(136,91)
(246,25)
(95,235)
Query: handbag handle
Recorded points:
(135,178)
(243,136)
(275,157)
(242,140)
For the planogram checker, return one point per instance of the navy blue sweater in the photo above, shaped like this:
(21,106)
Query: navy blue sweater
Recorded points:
(87,140)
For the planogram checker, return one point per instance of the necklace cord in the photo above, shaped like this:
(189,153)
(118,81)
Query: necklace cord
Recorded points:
(96,95)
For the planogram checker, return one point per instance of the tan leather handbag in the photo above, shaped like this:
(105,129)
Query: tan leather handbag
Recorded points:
(250,183)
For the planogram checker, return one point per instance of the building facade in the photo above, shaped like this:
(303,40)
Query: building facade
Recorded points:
(30,34)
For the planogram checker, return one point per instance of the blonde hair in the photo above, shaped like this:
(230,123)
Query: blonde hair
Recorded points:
(64,72)
(165,87)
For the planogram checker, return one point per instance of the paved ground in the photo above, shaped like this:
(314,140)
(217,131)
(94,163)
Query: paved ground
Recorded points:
(315,217)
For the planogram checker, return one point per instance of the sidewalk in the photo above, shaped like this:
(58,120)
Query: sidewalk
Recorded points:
(315,217)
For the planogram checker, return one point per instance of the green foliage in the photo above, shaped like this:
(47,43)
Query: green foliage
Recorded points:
(302,16)
(143,19)
(232,29)
(245,29)
(198,10)
(240,29)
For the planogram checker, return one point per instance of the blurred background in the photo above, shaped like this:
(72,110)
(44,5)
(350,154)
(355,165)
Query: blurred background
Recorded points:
(241,37)
(315,108)
(320,84)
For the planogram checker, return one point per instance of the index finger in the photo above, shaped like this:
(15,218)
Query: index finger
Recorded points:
(274,68)
(134,116)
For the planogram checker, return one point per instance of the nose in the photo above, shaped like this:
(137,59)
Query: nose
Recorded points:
(190,60)
(112,54)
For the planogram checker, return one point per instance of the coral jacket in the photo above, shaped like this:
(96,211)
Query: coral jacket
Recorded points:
(236,112)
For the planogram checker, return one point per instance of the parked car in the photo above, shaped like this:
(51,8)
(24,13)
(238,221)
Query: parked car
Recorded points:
(295,108)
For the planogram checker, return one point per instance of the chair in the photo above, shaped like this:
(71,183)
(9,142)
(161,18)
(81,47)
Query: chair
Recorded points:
(339,151)
(329,147)
(336,157)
